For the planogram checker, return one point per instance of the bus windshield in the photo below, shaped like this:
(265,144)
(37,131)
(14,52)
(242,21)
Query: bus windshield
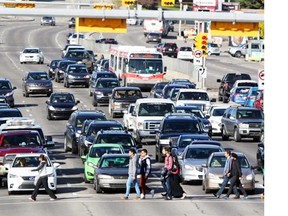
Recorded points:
(145,66)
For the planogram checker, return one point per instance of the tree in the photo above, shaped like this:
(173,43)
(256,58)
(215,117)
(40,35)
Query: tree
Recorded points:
(149,4)
(250,4)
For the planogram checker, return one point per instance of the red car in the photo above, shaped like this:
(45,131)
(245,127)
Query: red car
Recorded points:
(259,101)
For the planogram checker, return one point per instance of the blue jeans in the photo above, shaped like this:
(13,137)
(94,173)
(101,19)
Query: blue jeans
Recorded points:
(167,185)
(130,181)
(223,185)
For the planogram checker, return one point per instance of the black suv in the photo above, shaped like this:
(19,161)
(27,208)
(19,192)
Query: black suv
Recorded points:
(7,90)
(121,98)
(122,137)
(97,74)
(227,82)
(242,122)
(169,49)
(171,127)
(74,125)
(86,139)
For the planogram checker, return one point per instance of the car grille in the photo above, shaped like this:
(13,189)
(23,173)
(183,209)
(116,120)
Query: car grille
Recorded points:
(120,177)
(255,125)
(28,178)
(152,125)
(124,105)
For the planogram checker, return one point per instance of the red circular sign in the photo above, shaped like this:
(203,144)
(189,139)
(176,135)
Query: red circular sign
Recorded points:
(261,75)
(198,53)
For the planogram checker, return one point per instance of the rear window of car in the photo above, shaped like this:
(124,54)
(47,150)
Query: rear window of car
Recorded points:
(234,77)
(213,45)
(10,113)
(185,49)
(248,84)
(171,45)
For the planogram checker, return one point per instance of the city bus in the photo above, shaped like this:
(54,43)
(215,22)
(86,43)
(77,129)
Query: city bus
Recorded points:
(137,65)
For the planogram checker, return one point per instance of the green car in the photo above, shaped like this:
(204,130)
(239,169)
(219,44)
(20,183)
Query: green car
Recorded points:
(95,152)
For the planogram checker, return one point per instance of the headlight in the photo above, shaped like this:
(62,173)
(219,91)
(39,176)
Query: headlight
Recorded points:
(207,125)
(105,176)
(243,125)
(75,107)
(116,105)
(90,164)
(9,94)
(250,177)
(164,141)
(98,93)
(87,77)
(189,167)
(13,176)
(51,108)
(70,76)
(48,84)
(212,176)
(77,134)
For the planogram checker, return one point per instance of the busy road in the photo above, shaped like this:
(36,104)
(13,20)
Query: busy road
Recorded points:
(75,196)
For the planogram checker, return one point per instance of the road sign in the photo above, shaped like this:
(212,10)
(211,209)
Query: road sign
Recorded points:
(261,79)
(203,72)
(198,53)
(198,61)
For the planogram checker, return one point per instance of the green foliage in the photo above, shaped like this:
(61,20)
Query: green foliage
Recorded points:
(250,4)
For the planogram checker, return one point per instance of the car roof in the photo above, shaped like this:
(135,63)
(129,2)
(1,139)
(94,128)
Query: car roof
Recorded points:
(207,142)
(193,135)
(125,132)
(16,132)
(30,155)
(85,112)
(203,146)
(106,122)
(126,88)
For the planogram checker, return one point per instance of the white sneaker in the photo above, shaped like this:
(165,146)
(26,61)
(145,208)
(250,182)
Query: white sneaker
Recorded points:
(142,196)
(152,192)
(183,196)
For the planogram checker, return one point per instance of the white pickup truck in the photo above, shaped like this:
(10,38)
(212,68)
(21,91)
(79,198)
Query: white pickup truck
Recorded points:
(147,115)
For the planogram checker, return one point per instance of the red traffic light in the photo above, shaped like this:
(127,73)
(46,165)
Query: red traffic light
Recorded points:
(204,37)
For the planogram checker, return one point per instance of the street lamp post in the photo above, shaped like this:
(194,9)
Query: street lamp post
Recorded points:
(180,21)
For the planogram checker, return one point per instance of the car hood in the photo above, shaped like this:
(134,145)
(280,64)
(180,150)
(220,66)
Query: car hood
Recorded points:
(195,162)
(4,92)
(38,81)
(63,105)
(73,58)
(104,90)
(16,150)
(23,171)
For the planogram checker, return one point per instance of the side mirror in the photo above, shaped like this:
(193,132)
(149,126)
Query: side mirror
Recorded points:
(218,80)
(134,113)
(7,167)
(47,102)
(14,87)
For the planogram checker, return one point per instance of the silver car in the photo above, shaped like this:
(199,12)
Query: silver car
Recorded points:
(192,159)
(213,49)
(214,168)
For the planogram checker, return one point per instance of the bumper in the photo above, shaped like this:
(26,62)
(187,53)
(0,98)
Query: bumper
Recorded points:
(61,114)
(30,59)
(38,90)
(102,99)
(78,81)
(250,132)
(146,134)
(113,184)
(27,185)
(192,175)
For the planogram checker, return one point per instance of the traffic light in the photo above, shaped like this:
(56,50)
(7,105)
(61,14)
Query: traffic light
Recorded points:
(204,43)
(197,43)
(167,3)
(128,2)
(105,6)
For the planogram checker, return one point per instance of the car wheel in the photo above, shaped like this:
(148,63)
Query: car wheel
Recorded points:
(238,54)
(21,62)
(97,188)
(49,117)
(25,94)
(237,137)
(85,178)
(257,139)
(9,192)
(90,93)
(74,148)
(65,145)
(220,98)
(94,102)
(225,100)
(224,135)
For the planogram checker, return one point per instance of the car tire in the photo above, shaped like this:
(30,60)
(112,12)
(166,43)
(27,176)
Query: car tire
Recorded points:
(74,148)
(21,62)
(90,93)
(220,98)
(49,117)
(25,94)
(238,54)
(257,139)
(10,193)
(65,145)
(224,135)
(237,137)
(97,188)
(94,102)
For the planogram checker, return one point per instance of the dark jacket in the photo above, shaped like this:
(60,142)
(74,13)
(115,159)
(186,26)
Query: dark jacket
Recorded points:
(235,168)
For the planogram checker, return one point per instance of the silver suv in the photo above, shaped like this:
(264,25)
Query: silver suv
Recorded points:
(242,122)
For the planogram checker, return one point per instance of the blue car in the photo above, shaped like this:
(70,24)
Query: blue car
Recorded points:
(239,94)
(249,102)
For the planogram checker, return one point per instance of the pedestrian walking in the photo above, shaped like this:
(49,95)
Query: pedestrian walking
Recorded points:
(177,190)
(145,170)
(167,177)
(42,179)
(132,175)
(227,168)
(235,175)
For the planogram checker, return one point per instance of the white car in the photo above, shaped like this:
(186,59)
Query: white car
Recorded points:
(21,178)
(74,38)
(31,55)
(128,118)
(214,115)
(185,53)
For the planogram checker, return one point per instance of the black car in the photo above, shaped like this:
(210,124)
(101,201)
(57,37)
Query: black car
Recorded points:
(71,23)
(103,90)
(52,66)
(171,127)
(60,69)
(61,105)
(122,137)
(183,82)
(37,82)
(106,41)
(76,74)
(153,37)
(156,90)
(74,126)
(227,82)
(169,49)
(97,74)
(8,113)
(7,90)
(121,98)
(167,89)
(82,56)
(87,138)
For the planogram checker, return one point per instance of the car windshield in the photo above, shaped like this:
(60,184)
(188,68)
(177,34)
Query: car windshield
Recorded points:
(77,69)
(107,84)
(5,85)
(63,65)
(28,161)
(10,113)
(145,66)
(155,109)
(203,96)
(249,114)
(81,119)
(22,140)
(124,140)
(127,94)
(160,85)
(200,153)
(218,112)
(31,51)
(184,141)
(234,77)
(94,128)
(96,152)
(115,162)
(189,49)
(219,162)
(106,75)
(62,99)
(38,76)
(181,126)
